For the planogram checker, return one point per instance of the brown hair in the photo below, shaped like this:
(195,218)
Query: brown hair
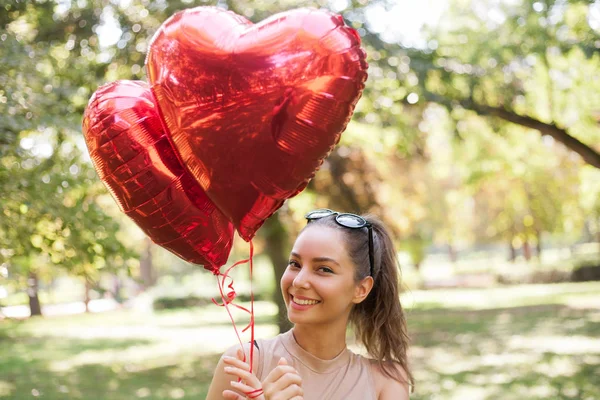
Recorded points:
(379,320)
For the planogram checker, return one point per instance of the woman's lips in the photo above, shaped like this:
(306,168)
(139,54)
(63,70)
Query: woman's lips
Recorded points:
(302,307)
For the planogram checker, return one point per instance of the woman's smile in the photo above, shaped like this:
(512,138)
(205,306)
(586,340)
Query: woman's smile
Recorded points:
(301,303)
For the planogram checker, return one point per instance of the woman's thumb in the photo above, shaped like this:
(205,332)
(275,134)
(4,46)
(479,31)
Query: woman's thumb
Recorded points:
(282,361)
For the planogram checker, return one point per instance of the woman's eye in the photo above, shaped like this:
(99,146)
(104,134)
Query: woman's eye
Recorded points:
(293,264)
(326,269)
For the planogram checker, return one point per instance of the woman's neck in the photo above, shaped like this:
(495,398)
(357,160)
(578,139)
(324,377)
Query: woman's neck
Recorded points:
(325,343)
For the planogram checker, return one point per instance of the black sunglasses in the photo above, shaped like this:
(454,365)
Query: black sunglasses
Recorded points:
(347,220)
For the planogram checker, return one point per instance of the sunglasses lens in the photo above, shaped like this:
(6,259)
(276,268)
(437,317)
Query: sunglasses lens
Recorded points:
(351,221)
(319,214)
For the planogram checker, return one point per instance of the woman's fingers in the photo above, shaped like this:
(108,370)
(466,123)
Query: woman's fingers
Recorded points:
(244,375)
(237,367)
(288,379)
(279,371)
(234,362)
(283,383)
(286,387)
(249,384)
(287,393)
(241,355)
(231,395)
(242,387)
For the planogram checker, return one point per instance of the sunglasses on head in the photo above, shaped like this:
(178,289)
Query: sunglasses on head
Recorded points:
(347,220)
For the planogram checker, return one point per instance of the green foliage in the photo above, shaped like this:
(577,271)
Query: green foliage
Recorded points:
(51,214)
(425,150)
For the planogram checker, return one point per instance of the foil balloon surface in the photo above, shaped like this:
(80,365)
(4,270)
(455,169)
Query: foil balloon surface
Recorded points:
(236,119)
(134,158)
(253,110)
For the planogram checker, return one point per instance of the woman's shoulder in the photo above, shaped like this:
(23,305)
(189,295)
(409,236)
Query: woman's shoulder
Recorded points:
(269,345)
(259,345)
(389,388)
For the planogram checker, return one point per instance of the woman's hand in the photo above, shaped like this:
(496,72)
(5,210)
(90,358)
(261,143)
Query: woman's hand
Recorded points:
(282,383)
(249,382)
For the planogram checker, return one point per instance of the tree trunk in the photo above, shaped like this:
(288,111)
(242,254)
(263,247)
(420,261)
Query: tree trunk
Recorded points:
(598,233)
(538,246)
(526,250)
(86,300)
(32,291)
(117,289)
(512,252)
(277,239)
(146,267)
(452,253)
(51,291)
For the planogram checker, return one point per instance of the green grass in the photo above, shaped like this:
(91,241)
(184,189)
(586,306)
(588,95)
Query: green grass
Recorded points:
(531,352)
(521,342)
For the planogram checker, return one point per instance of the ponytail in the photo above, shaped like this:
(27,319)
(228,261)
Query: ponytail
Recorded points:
(379,321)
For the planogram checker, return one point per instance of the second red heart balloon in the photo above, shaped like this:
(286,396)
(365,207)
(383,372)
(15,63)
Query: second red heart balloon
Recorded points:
(134,158)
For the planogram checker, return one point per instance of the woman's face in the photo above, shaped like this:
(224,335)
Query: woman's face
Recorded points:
(318,285)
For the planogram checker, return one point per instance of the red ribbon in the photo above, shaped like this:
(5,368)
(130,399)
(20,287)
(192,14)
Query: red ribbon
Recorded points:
(228,300)
(254,394)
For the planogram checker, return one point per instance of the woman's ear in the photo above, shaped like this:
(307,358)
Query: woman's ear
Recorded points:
(362,289)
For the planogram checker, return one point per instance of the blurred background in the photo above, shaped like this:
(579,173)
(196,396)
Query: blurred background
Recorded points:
(477,140)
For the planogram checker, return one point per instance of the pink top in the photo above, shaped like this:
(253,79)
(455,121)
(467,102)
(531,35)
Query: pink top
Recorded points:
(346,377)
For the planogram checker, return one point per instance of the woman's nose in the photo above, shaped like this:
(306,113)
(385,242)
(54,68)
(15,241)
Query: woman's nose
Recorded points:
(302,279)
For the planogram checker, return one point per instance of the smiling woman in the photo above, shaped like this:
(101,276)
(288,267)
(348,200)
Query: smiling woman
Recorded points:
(342,271)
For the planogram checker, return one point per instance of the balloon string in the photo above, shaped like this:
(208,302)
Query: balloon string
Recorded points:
(254,394)
(228,299)
(258,392)
(231,295)
(251,325)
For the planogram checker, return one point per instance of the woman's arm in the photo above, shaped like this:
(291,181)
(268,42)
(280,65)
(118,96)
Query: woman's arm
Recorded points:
(388,388)
(221,380)
(394,390)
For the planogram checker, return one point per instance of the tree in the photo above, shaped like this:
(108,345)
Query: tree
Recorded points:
(50,193)
(526,65)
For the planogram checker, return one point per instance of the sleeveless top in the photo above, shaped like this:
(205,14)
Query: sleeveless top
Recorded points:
(346,377)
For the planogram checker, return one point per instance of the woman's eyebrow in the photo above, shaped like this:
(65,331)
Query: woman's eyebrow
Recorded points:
(325,259)
(316,259)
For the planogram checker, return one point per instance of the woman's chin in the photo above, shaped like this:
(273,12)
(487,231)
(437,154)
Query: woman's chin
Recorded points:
(294,318)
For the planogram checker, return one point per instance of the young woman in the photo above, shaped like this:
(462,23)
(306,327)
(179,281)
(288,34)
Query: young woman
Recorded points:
(342,270)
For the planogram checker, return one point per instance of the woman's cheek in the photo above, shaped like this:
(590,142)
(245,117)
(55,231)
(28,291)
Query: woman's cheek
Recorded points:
(286,280)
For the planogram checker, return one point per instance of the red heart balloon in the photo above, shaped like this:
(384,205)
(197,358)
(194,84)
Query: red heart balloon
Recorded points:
(135,159)
(253,110)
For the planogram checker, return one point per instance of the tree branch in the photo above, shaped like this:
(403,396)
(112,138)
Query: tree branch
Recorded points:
(587,153)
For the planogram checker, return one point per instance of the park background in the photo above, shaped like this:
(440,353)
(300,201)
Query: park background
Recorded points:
(477,140)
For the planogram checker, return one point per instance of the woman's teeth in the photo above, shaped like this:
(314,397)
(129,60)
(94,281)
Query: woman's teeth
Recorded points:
(305,302)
